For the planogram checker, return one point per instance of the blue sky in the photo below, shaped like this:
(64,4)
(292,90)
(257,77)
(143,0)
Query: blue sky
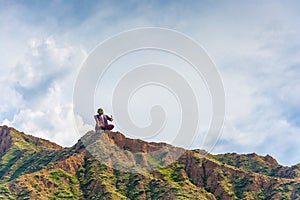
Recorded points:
(255,45)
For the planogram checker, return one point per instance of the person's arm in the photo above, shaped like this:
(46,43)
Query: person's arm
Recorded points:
(96,118)
(110,118)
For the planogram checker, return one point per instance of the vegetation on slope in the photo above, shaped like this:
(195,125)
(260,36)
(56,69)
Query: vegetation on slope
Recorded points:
(32,168)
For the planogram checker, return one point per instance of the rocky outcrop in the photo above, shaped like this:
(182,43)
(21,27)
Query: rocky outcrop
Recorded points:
(134,145)
(5,139)
(270,160)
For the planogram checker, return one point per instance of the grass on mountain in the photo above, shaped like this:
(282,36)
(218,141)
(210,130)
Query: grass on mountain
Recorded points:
(247,163)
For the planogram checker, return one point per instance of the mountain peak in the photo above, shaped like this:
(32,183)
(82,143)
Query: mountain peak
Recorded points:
(117,151)
(134,145)
(270,160)
(11,137)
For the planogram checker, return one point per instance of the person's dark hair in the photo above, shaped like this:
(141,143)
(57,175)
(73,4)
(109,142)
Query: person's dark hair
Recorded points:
(100,110)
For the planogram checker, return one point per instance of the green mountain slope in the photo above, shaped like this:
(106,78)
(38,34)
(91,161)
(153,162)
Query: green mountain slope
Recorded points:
(33,168)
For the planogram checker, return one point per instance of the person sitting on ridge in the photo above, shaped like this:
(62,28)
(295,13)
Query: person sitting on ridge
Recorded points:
(101,121)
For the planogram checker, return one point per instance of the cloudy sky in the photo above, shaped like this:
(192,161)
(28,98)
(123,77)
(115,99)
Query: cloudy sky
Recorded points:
(254,44)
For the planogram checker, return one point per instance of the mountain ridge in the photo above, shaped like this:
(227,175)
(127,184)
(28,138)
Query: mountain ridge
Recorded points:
(35,168)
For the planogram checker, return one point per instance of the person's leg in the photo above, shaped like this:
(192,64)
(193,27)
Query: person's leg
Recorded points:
(100,129)
(97,128)
(109,127)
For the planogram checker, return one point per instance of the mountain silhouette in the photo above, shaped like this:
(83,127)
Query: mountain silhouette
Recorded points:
(34,168)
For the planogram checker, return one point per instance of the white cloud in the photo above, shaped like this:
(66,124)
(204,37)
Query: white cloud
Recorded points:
(43,83)
(51,117)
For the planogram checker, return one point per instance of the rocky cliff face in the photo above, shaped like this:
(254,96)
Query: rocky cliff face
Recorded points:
(5,139)
(33,168)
